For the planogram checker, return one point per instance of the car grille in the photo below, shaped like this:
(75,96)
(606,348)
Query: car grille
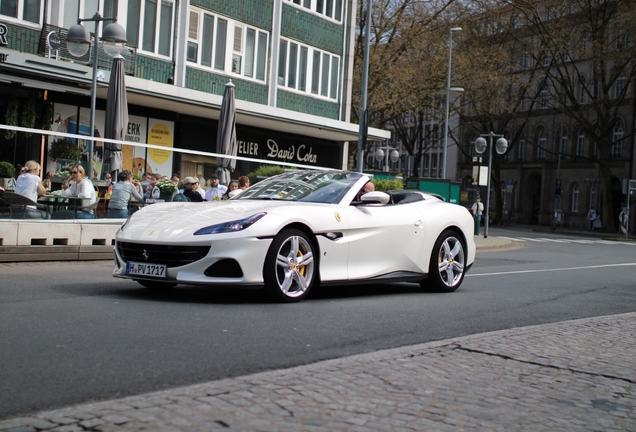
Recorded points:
(171,256)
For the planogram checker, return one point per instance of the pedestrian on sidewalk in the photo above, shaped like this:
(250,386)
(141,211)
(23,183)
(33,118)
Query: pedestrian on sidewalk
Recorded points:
(478,209)
(591,216)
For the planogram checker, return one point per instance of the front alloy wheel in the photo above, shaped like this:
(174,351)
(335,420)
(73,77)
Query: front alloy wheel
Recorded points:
(448,263)
(290,268)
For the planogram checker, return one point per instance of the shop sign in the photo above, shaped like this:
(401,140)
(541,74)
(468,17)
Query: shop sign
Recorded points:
(290,154)
(265,144)
(4,30)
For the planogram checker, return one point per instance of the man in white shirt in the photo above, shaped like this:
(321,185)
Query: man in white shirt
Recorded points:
(215,191)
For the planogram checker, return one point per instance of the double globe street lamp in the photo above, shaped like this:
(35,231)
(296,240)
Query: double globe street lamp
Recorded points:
(480,147)
(78,42)
(381,154)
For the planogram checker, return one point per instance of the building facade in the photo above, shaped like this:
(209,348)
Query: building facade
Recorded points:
(571,135)
(291,63)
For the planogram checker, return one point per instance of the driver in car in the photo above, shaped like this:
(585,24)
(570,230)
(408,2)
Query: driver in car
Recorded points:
(368,187)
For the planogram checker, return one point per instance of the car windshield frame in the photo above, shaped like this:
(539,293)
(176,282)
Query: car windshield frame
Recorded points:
(327,187)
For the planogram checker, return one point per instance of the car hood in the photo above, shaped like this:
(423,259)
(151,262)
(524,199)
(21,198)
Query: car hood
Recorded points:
(178,221)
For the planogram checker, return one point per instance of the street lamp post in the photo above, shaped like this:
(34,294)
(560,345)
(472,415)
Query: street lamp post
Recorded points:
(448,90)
(381,154)
(364,116)
(78,41)
(480,147)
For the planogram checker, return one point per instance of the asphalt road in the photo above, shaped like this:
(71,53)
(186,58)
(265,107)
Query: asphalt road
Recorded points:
(70,333)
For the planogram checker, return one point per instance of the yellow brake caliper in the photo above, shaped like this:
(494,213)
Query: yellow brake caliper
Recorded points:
(302,269)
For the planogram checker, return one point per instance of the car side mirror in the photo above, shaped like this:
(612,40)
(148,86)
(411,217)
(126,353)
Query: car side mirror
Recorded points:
(375,197)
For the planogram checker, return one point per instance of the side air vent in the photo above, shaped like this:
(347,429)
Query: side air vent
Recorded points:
(227,268)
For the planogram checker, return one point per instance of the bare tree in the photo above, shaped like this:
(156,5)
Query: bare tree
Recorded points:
(403,57)
(499,94)
(583,52)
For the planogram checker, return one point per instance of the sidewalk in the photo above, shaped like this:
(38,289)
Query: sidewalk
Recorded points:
(576,375)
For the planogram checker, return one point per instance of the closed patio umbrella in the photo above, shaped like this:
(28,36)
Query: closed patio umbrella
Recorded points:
(116,116)
(226,134)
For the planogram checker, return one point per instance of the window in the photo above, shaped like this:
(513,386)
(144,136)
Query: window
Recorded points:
(541,143)
(617,141)
(622,41)
(580,143)
(619,86)
(582,90)
(302,69)
(544,96)
(294,64)
(315,73)
(237,49)
(208,44)
(521,151)
(149,26)
(563,143)
(25,10)
(547,59)
(524,60)
(329,8)
(219,48)
(575,198)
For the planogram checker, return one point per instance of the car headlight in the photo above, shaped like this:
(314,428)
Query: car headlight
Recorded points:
(237,225)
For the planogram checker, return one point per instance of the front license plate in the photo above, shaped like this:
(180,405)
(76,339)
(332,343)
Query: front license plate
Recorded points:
(143,269)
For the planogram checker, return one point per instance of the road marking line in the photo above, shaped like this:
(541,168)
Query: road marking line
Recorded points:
(561,240)
(554,270)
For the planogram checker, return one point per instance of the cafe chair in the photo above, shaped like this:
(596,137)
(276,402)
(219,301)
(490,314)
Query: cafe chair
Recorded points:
(16,205)
(90,207)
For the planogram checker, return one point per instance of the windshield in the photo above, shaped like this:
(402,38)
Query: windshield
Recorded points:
(308,186)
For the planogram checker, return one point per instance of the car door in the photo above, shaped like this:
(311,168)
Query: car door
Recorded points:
(382,239)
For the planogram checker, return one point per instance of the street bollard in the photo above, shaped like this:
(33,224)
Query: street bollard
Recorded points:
(477,224)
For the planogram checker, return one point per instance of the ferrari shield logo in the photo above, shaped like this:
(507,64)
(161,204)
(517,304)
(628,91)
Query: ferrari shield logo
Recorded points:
(337,215)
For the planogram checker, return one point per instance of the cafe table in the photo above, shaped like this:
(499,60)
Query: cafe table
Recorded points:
(57,203)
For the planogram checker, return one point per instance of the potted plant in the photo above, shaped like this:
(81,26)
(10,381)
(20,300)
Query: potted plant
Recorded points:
(167,189)
(6,173)
(63,148)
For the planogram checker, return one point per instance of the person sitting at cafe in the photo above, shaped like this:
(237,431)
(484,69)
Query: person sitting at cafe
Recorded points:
(215,191)
(30,185)
(231,187)
(123,191)
(243,182)
(190,185)
(78,186)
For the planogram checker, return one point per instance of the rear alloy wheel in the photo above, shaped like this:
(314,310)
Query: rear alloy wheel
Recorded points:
(290,266)
(156,284)
(448,264)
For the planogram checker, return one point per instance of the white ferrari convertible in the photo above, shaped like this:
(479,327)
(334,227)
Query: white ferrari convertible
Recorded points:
(297,230)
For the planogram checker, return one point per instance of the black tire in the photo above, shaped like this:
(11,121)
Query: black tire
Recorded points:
(156,284)
(291,267)
(447,265)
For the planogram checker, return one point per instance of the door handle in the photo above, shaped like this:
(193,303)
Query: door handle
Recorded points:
(417,223)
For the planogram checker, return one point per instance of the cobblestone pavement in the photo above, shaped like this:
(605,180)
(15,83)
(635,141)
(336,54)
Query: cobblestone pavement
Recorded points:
(575,375)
